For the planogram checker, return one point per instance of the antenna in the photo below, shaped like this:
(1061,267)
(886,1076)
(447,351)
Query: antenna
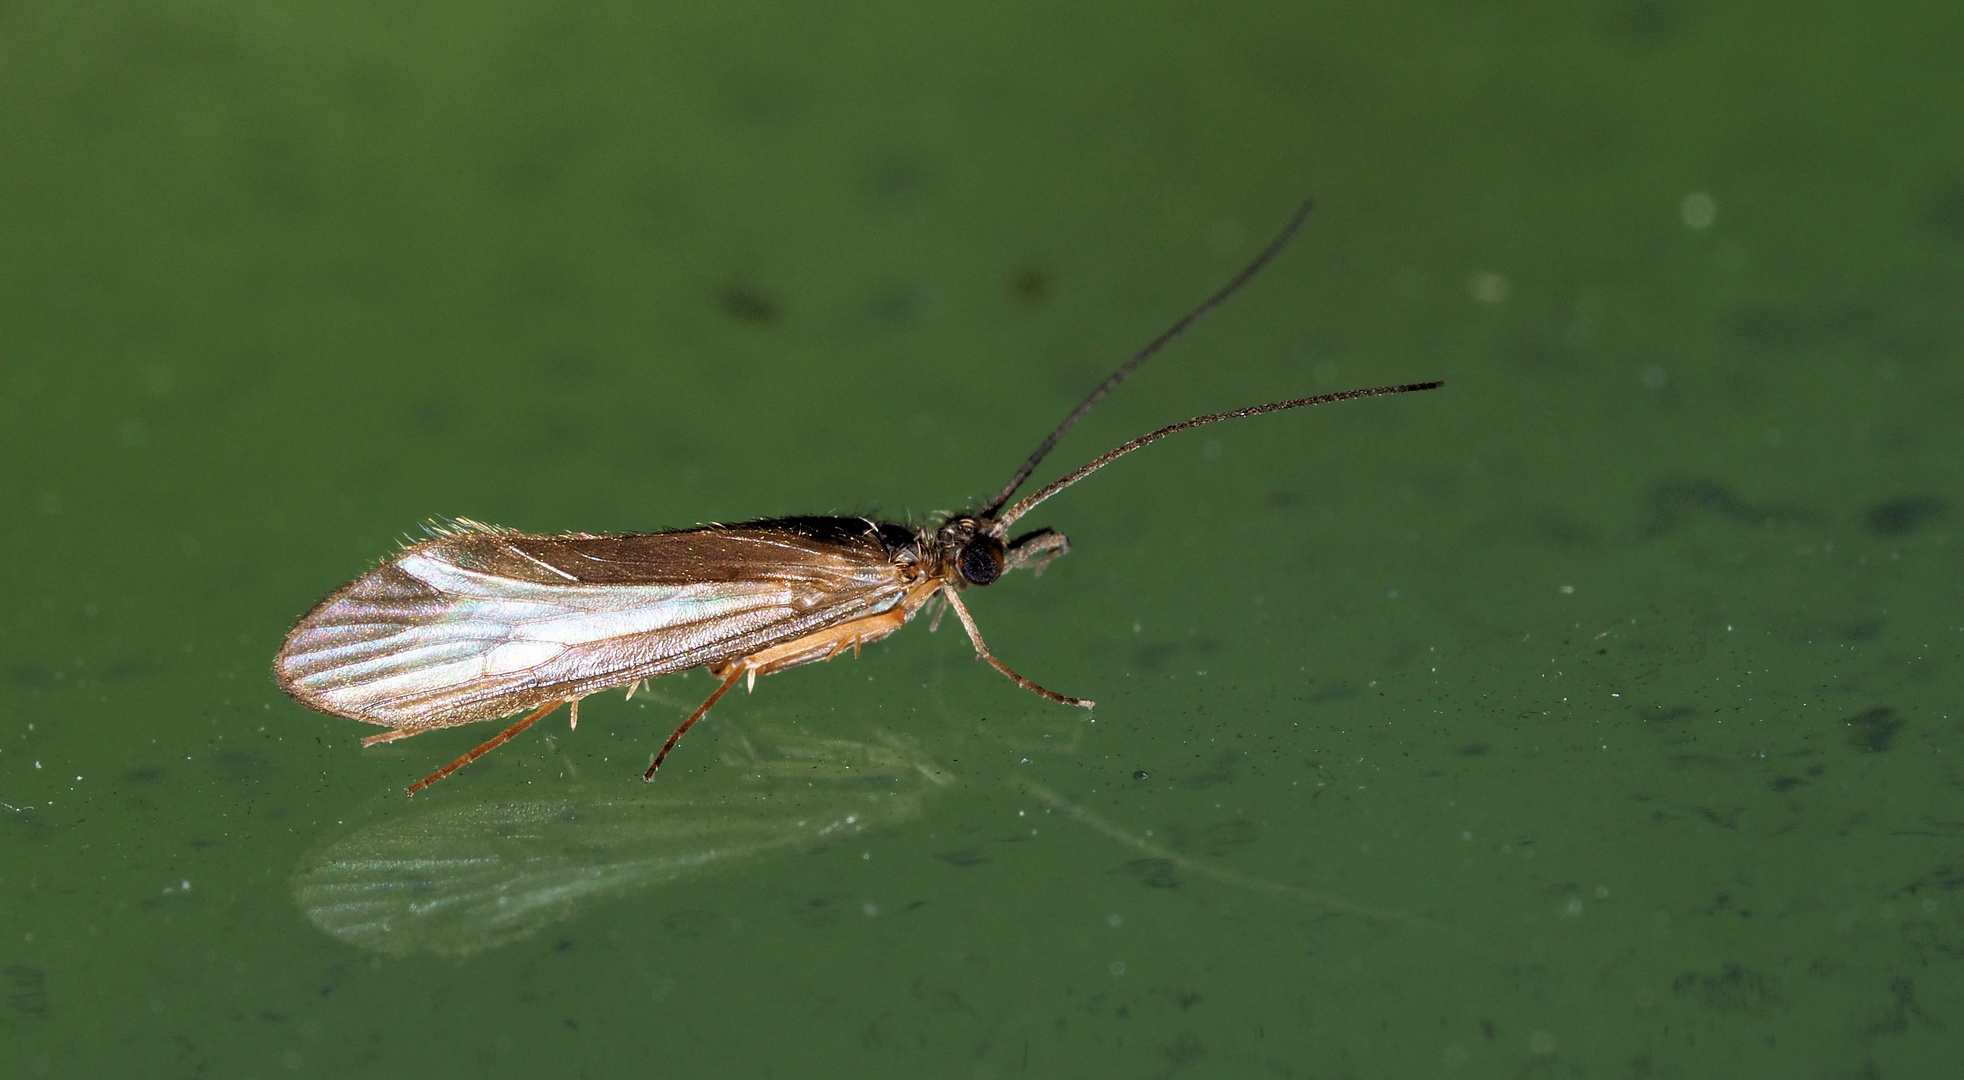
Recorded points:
(1274,248)
(1030,502)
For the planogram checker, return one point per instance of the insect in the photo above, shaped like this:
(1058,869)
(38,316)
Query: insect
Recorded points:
(477,623)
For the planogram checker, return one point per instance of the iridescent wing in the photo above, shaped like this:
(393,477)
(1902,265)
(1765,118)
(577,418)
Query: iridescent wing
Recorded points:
(479,623)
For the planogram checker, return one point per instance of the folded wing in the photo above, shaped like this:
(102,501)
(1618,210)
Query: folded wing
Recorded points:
(480,623)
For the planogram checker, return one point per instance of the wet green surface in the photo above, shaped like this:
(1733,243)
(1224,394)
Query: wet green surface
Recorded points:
(1596,716)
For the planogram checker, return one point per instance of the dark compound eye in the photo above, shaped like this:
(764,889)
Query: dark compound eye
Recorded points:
(981,560)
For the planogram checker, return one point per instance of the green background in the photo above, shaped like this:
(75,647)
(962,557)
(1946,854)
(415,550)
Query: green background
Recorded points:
(1621,674)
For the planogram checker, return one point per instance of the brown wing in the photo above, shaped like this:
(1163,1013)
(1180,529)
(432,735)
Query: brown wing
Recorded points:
(480,623)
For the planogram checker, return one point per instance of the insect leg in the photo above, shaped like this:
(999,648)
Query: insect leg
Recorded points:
(489,745)
(736,672)
(822,645)
(1035,550)
(390,736)
(982,651)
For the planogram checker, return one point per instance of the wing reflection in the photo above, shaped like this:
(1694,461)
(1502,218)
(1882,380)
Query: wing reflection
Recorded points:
(456,879)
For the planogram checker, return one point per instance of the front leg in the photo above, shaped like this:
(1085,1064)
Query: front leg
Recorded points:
(1035,550)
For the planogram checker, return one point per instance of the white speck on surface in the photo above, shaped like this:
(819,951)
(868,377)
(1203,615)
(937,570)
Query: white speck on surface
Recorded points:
(1698,210)
(1489,287)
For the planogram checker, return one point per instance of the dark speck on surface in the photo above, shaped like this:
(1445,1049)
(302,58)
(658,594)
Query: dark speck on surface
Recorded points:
(1733,988)
(1157,873)
(1673,502)
(1865,630)
(1898,517)
(1872,731)
(751,305)
(1030,285)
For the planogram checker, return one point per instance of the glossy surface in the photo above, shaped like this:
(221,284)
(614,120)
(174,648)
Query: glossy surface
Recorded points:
(1619,678)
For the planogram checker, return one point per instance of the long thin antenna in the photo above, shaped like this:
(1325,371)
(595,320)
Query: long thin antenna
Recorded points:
(1274,248)
(1030,501)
